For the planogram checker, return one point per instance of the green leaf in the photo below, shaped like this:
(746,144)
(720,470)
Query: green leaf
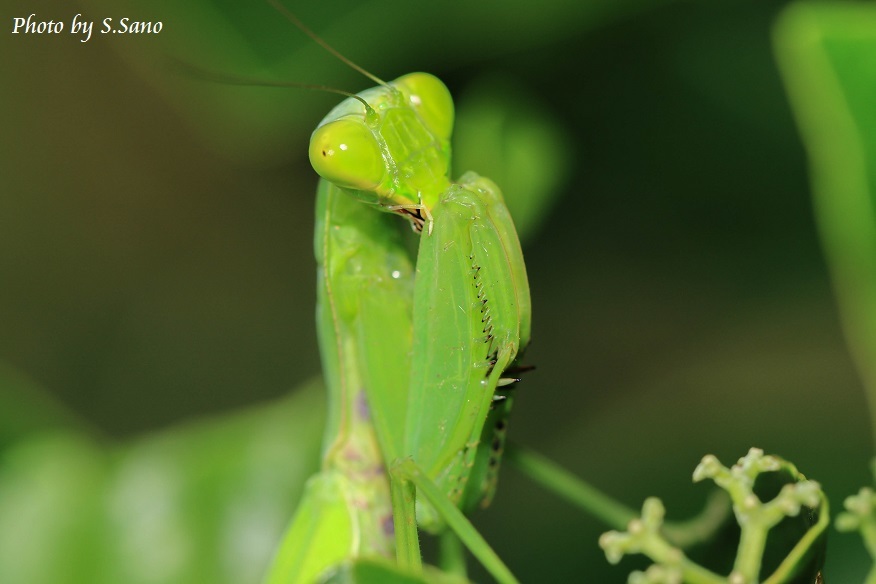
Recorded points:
(202,502)
(503,133)
(27,409)
(827,55)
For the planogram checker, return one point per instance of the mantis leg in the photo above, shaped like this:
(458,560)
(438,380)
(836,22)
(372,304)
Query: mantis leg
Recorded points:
(404,511)
(404,473)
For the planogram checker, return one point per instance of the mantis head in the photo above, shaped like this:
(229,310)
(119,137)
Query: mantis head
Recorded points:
(389,145)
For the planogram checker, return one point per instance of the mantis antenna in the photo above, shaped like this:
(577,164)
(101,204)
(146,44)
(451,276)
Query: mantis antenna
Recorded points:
(303,28)
(231,79)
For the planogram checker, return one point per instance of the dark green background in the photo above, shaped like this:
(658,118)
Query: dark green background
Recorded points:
(156,261)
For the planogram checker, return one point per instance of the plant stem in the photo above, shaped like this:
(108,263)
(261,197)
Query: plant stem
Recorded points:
(701,528)
(563,483)
(452,558)
(792,560)
(696,574)
(611,512)
(752,542)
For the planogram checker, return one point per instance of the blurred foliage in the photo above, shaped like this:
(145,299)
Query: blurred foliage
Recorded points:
(156,263)
(204,502)
(505,135)
(827,55)
(27,409)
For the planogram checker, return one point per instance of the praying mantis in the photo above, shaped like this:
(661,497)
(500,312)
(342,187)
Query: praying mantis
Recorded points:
(418,353)
(349,504)
(415,354)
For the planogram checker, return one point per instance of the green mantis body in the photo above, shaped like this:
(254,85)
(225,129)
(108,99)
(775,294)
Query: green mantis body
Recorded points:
(428,373)
(413,352)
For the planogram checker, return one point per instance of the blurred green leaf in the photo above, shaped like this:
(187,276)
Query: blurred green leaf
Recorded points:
(203,502)
(27,409)
(503,133)
(827,55)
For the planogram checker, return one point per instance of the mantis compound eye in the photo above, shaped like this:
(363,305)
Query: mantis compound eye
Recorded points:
(345,153)
(431,100)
